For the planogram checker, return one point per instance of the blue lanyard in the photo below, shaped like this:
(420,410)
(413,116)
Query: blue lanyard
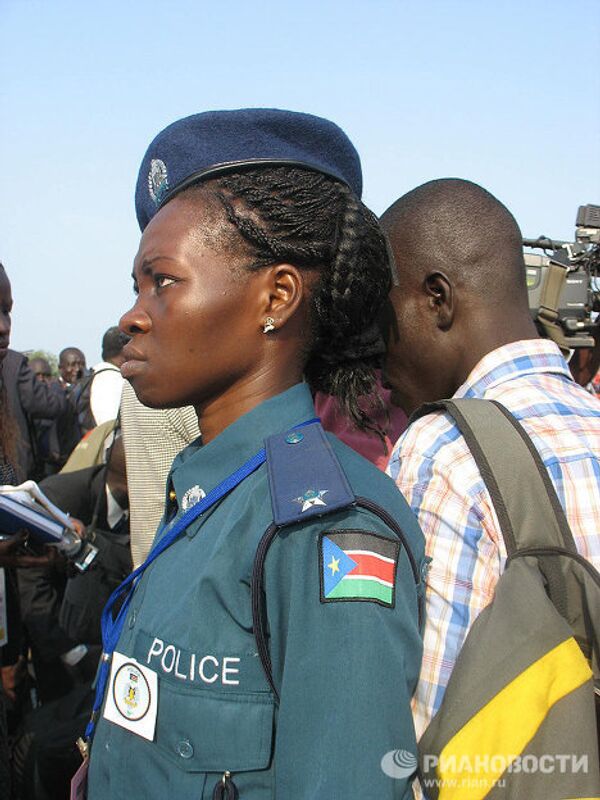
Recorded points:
(112,627)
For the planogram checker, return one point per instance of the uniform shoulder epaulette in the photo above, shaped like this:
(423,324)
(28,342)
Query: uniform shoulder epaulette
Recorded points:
(305,477)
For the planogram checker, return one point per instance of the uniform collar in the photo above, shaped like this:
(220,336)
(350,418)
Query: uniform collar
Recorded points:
(204,466)
(514,360)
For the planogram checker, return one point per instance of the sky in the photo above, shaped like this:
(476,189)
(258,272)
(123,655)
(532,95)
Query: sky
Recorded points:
(506,94)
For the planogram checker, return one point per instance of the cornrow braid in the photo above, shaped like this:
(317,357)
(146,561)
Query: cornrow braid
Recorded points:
(315,222)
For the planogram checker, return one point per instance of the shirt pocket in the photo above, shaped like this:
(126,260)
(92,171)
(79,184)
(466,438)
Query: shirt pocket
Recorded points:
(214,732)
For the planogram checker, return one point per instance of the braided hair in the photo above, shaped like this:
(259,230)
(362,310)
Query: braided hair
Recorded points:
(308,219)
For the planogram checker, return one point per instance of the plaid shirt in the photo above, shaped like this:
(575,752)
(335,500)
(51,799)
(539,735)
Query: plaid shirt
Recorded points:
(434,469)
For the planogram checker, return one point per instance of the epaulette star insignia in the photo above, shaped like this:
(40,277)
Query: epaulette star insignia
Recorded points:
(311,498)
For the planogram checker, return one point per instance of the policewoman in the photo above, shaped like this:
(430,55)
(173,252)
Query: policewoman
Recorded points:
(269,645)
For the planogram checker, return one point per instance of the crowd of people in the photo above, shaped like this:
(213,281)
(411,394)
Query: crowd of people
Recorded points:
(281,617)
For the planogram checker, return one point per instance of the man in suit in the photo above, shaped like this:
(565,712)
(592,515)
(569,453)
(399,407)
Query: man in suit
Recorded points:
(28,399)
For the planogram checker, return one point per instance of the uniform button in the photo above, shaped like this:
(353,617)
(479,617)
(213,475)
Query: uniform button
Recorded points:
(184,748)
(294,438)
(172,495)
(132,618)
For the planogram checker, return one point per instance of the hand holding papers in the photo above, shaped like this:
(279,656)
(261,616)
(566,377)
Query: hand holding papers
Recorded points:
(26,507)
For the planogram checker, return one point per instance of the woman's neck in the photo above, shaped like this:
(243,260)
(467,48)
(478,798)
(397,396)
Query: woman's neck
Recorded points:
(216,415)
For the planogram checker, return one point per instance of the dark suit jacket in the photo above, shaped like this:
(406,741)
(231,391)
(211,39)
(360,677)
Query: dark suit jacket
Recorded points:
(78,493)
(28,397)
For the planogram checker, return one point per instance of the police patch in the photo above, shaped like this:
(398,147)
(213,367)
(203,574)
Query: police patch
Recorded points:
(357,566)
(192,496)
(132,700)
(131,692)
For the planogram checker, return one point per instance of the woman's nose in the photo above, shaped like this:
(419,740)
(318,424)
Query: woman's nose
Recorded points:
(135,321)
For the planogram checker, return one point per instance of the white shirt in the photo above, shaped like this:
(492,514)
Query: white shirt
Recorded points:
(105,393)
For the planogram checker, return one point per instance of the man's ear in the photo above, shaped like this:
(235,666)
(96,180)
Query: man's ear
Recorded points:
(440,297)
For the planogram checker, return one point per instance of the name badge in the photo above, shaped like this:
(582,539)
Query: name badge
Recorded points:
(132,697)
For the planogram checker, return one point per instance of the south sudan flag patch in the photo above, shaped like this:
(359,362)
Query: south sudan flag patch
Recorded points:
(357,566)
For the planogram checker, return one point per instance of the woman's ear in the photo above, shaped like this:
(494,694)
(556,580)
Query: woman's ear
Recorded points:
(440,293)
(285,291)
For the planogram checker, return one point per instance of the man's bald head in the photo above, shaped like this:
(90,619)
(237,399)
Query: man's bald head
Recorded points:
(459,228)
(70,351)
(461,289)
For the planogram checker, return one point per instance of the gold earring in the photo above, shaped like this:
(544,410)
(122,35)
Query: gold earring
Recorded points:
(269,325)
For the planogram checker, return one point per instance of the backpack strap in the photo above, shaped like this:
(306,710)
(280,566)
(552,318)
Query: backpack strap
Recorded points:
(531,517)
(82,397)
(525,500)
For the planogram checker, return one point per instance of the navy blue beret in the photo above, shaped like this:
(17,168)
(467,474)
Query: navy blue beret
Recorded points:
(206,145)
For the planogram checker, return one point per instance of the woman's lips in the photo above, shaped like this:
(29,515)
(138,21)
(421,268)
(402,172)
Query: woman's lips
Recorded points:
(131,367)
(134,361)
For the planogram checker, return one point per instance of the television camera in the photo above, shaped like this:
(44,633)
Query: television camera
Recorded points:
(564,282)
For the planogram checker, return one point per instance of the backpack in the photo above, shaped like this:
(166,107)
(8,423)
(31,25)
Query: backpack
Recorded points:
(519,715)
(89,452)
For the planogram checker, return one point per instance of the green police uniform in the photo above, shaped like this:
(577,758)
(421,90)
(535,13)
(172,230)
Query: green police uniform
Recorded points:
(345,651)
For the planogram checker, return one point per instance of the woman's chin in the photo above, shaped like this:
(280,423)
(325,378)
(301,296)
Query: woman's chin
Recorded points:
(153,396)
(144,393)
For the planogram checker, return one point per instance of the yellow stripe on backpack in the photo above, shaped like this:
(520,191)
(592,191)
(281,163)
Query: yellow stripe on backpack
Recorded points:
(475,758)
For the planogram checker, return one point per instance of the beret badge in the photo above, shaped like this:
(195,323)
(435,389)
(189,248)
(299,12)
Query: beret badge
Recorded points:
(158,182)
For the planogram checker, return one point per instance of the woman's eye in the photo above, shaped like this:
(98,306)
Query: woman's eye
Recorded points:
(162,281)
(136,289)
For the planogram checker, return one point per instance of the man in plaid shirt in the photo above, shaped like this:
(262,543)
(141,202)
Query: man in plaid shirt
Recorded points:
(462,328)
